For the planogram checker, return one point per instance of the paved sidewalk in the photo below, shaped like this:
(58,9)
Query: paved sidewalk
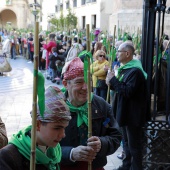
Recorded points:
(16,101)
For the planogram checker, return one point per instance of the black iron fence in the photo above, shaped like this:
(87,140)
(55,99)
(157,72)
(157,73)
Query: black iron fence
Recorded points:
(156,62)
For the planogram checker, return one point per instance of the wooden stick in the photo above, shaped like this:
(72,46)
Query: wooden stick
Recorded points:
(89,90)
(78,36)
(111,60)
(34,106)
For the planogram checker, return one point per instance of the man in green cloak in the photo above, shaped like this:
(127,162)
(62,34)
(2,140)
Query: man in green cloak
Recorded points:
(129,104)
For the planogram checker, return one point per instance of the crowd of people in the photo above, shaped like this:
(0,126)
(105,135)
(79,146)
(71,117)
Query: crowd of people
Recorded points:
(62,133)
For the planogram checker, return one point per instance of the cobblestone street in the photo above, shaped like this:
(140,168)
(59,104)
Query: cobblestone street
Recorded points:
(16,100)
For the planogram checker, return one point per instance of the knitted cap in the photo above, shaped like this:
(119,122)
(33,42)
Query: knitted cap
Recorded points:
(56,110)
(73,69)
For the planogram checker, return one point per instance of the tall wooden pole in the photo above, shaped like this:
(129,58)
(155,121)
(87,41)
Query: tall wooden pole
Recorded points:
(89,90)
(34,106)
(111,60)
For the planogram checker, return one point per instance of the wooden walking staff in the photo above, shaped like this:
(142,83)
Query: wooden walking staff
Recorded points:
(111,60)
(89,90)
(34,106)
(78,36)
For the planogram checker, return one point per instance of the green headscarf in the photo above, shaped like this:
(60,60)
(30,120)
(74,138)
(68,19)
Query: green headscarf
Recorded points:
(23,142)
(131,64)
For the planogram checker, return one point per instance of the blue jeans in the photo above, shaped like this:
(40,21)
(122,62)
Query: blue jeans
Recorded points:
(53,73)
(31,56)
(13,52)
(49,72)
(102,92)
(21,49)
(25,52)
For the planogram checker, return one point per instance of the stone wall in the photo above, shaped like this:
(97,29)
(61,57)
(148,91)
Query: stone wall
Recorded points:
(127,15)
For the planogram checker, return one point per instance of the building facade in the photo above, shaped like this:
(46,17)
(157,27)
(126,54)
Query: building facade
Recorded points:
(103,14)
(91,12)
(16,13)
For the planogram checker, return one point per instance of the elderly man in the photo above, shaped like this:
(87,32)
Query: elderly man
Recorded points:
(77,148)
(129,105)
(50,130)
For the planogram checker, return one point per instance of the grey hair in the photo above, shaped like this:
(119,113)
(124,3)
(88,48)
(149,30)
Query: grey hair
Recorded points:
(130,47)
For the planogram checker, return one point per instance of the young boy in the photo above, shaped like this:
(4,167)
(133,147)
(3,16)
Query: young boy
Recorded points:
(50,130)
(52,63)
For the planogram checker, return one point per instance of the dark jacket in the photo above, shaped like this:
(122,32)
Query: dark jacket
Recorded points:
(3,135)
(109,135)
(52,59)
(11,159)
(129,104)
(63,56)
(40,46)
(29,44)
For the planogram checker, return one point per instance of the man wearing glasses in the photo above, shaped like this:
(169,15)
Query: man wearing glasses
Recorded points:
(129,104)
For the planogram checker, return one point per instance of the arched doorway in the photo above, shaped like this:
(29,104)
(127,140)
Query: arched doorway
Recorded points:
(8,19)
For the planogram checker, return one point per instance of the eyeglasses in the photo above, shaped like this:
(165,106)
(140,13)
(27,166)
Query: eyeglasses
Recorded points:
(120,51)
(102,56)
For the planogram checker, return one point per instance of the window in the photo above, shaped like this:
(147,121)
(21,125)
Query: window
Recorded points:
(67,5)
(88,1)
(93,18)
(56,8)
(83,2)
(40,18)
(61,7)
(8,2)
(74,3)
(83,22)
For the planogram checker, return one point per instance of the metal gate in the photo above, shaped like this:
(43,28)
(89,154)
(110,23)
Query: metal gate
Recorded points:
(156,154)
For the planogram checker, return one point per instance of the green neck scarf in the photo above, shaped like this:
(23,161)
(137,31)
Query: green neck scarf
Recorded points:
(23,142)
(82,112)
(131,64)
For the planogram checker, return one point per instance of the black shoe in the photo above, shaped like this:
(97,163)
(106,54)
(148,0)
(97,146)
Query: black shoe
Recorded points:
(121,155)
(53,81)
(122,168)
(48,78)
